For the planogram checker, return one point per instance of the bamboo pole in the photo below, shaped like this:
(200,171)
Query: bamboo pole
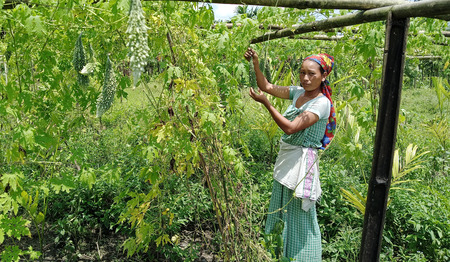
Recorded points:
(424,57)
(415,9)
(386,133)
(303,4)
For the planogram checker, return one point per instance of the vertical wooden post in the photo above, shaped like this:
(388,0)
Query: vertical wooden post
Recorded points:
(380,180)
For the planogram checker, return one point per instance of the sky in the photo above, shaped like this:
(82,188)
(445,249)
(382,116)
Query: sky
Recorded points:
(223,11)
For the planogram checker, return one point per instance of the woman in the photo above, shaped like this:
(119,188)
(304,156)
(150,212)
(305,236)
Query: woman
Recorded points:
(308,124)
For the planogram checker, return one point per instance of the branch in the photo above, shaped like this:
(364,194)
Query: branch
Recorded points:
(416,9)
(10,4)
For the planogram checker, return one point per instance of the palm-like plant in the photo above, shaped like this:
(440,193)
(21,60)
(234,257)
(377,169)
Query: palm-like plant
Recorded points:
(399,171)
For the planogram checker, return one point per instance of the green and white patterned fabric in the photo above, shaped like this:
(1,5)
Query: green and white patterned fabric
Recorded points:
(301,232)
(311,136)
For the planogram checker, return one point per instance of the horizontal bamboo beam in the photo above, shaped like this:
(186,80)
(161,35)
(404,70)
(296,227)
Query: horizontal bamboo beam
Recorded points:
(321,37)
(303,4)
(270,27)
(414,9)
(424,57)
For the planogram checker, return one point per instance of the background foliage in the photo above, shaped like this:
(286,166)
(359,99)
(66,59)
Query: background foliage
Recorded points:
(180,167)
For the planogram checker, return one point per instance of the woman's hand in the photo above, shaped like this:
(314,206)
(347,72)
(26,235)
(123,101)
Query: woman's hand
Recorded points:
(259,97)
(251,53)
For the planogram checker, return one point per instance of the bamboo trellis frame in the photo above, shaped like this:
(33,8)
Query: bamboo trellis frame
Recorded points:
(414,9)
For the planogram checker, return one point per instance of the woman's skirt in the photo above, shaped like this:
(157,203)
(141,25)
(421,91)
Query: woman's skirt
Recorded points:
(300,231)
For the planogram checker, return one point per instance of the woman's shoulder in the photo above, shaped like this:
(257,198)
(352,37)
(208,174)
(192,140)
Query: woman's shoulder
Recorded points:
(320,106)
(295,91)
(323,99)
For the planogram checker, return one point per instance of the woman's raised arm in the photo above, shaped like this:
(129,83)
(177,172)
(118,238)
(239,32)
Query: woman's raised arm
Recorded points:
(263,84)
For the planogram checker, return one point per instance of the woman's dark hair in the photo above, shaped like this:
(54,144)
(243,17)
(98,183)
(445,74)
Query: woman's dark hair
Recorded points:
(321,70)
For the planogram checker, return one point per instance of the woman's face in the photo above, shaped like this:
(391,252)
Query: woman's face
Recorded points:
(310,75)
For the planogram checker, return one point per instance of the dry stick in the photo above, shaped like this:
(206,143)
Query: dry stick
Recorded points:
(211,192)
(416,9)
(225,189)
(169,39)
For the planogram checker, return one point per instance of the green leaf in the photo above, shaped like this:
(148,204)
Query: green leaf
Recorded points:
(64,183)
(88,177)
(33,24)
(174,72)
(355,199)
(40,218)
(11,253)
(13,180)
(15,227)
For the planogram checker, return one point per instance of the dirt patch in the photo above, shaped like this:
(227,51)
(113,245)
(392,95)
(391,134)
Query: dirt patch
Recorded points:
(194,245)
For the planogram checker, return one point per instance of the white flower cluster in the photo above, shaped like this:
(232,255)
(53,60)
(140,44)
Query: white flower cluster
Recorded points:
(106,97)
(137,40)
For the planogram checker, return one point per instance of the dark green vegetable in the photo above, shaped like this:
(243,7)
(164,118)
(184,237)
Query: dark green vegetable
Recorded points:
(79,61)
(251,74)
(106,98)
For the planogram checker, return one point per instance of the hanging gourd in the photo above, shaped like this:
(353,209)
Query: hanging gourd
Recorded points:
(79,61)
(137,40)
(251,74)
(106,97)
(266,70)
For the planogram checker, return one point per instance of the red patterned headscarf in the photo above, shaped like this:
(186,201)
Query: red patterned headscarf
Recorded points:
(326,61)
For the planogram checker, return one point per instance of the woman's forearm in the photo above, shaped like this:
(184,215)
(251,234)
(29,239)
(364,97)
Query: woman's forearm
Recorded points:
(282,122)
(303,121)
(261,80)
(264,85)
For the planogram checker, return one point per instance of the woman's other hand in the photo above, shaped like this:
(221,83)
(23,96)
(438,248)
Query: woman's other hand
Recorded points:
(259,96)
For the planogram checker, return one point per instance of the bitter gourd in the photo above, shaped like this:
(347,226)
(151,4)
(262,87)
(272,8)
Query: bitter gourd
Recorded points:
(79,61)
(251,74)
(106,97)
(267,72)
(137,40)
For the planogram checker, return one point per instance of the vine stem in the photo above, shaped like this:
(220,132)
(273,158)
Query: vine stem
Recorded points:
(214,199)
(15,53)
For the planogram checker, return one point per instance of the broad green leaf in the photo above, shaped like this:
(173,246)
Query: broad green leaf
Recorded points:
(13,180)
(15,227)
(40,218)
(64,183)
(11,253)
(33,24)
(88,177)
